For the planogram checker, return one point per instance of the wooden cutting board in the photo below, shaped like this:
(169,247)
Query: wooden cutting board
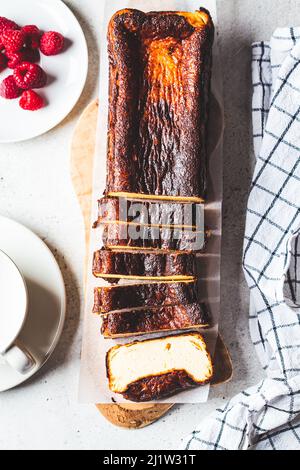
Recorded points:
(82,156)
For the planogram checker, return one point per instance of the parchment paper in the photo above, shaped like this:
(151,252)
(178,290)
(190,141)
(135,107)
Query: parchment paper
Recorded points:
(93,386)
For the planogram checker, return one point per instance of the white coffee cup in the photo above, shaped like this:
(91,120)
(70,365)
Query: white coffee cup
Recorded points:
(13,313)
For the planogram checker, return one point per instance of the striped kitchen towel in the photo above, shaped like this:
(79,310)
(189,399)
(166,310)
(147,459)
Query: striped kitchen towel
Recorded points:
(267,416)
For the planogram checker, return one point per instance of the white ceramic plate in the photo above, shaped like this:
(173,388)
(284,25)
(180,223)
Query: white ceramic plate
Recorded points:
(67,71)
(47,298)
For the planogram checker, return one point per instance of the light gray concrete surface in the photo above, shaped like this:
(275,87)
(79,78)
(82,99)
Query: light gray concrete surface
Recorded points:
(35,189)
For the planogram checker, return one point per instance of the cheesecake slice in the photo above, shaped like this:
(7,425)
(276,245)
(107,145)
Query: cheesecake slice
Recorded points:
(156,294)
(156,368)
(114,265)
(151,213)
(143,237)
(140,322)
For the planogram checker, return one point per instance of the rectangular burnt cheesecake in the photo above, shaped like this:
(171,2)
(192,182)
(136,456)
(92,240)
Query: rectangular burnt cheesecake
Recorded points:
(143,237)
(139,322)
(156,368)
(114,265)
(151,213)
(159,82)
(117,298)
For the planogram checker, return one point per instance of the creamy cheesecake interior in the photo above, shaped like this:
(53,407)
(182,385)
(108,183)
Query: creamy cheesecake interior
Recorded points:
(131,362)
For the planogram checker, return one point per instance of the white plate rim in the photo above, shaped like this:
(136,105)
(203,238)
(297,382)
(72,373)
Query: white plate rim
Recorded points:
(84,65)
(63,306)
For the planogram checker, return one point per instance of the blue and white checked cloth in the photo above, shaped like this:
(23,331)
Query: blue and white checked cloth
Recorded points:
(267,416)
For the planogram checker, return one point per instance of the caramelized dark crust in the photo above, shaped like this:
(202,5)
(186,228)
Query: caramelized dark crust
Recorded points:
(150,212)
(153,265)
(144,237)
(114,298)
(130,323)
(157,387)
(159,80)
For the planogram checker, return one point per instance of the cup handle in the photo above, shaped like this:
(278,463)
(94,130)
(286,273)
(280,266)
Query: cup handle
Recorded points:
(19,359)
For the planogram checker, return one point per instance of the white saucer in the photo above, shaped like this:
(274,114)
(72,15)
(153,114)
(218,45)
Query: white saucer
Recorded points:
(67,71)
(47,297)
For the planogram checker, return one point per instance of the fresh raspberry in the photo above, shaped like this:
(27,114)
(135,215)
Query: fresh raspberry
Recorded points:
(9,88)
(52,43)
(29,76)
(31,101)
(3,62)
(32,36)
(13,40)
(5,23)
(25,55)
(14,59)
